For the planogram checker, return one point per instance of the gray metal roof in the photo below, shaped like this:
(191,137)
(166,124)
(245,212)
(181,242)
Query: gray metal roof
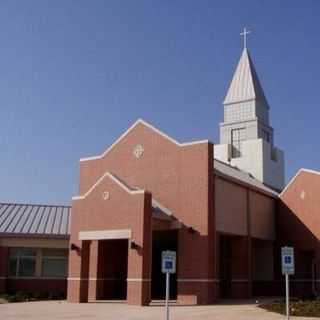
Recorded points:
(34,220)
(233,173)
(245,84)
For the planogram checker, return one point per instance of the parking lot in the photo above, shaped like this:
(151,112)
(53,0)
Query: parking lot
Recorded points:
(54,310)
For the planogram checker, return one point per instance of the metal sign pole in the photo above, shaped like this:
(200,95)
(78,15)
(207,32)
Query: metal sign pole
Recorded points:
(287,261)
(287,296)
(167,294)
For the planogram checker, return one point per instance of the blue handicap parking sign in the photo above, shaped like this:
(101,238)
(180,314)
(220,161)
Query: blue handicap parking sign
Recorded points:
(287,259)
(168,262)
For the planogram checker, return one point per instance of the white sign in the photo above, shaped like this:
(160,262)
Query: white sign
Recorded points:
(287,259)
(168,262)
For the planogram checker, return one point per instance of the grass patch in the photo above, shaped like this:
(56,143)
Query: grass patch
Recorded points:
(298,308)
(26,296)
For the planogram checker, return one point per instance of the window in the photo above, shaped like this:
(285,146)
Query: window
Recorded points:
(22,262)
(237,137)
(54,263)
(266,135)
(40,263)
(238,112)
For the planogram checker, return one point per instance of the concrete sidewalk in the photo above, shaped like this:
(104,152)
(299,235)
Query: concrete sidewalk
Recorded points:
(57,310)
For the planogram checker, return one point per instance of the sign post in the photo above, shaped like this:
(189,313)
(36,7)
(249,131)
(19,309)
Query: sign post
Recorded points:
(287,261)
(168,267)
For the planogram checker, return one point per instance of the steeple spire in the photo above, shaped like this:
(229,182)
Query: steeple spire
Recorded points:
(246,137)
(245,84)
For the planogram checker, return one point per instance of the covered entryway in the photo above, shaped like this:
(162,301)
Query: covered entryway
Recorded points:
(108,265)
(234,266)
(162,241)
(112,269)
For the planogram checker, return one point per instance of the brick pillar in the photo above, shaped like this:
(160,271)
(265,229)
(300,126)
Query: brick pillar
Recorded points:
(241,285)
(196,272)
(3,268)
(140,259)
(93,270)
(196,276)
(78,282)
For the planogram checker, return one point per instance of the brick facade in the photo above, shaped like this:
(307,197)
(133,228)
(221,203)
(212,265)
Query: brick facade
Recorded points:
(298,224)
(179,177)
(227,234)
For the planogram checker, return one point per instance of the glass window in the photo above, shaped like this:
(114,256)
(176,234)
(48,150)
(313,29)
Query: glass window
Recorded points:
(265,135)
(27,267)
(54,263)
(22,262)
(13,266)
(237,137)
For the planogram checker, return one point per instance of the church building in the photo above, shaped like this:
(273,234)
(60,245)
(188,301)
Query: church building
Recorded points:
(224,208)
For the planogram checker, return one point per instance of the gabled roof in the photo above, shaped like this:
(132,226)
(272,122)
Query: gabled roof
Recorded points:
(314,172)
(233,173)
(34,220)
(245,84)
(151,127)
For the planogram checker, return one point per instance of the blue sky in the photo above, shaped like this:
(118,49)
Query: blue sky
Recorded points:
(75,74)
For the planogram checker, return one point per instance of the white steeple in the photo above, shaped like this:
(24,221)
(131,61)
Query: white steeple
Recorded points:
(246,138)
(245,84)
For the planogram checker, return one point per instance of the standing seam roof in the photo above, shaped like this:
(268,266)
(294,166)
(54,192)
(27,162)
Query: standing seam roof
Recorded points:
(34,220)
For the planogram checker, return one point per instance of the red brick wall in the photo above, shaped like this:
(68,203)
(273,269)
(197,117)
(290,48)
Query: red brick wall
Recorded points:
(180,178)
(298,222)
(93,213)
(48,286)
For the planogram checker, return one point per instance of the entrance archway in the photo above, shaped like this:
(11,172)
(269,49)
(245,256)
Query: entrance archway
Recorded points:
(112,270)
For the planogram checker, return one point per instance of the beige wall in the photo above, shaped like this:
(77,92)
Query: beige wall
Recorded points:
(230,207)
(232,210)
(34,243)
(262,210)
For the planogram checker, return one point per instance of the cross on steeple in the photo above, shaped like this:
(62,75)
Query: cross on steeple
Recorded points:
(244,34)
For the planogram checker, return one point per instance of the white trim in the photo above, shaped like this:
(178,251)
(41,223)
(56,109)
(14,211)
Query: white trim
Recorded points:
(138,280)
(113,178)
(192,143)
(106,279)
(295,176)
(198,280)
(140,121)
(105,234)
(156,204)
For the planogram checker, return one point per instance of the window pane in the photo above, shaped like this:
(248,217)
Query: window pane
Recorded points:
(54,252)
(13,267)
(27,252)
(13,252)
(54,267)
(27,267)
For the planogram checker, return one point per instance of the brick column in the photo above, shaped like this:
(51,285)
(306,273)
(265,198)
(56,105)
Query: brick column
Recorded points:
(196,276)
(93,270)
(196,273)
(78,282)
(140,259)
(3,268)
